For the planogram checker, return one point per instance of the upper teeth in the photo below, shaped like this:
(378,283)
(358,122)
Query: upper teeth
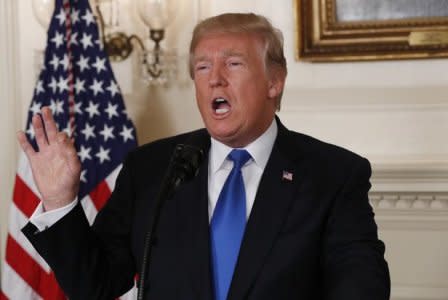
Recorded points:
(219,100)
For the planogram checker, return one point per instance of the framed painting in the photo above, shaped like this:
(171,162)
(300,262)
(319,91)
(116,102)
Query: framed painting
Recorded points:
(348,30)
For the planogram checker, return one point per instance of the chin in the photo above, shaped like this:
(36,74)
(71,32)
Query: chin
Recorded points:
(229,134)
(220,136)
(224,137)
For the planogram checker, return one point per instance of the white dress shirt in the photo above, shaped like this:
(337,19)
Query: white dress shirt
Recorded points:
(43,219)
(219,168)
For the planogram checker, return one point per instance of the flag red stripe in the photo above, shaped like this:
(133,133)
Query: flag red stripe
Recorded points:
(100,194)
(24,198)
(2,296)
(38,279)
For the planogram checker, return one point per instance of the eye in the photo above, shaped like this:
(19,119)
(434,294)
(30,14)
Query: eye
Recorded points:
(235,63)
(201,67)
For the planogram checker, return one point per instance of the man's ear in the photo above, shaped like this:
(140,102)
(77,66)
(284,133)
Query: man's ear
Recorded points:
(276,84)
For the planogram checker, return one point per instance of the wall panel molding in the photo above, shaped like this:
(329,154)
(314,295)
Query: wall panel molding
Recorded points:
(366,99)
(404,292)
(10,106)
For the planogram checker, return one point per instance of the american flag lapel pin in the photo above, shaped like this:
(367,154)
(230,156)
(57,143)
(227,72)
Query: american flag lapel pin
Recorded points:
(287,176)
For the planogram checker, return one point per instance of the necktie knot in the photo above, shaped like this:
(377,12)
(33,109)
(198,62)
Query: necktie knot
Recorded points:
(239,157)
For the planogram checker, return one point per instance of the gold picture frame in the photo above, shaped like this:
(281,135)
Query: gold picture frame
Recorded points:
(336,30)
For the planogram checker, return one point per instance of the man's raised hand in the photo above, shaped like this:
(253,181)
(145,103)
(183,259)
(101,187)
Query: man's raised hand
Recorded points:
(55,166)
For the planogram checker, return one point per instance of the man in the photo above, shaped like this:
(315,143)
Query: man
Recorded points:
(300,223)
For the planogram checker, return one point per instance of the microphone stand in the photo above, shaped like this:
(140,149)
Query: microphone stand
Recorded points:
(183,166)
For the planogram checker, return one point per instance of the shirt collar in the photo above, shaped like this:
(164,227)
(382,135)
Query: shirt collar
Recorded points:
(260,149)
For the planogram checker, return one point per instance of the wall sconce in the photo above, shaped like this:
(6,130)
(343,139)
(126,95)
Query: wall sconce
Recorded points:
(158,65)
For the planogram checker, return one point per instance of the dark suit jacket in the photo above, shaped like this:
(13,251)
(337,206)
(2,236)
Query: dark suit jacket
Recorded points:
(312,237)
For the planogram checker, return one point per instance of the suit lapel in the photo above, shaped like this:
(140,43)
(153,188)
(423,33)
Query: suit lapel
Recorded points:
(268,213)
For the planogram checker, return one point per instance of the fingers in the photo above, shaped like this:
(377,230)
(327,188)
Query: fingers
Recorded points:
(39,130)
(62,138)
(73,159)
(69,151)
(47,134)
(25,145)
(67,143)
(45,128)
(50,124)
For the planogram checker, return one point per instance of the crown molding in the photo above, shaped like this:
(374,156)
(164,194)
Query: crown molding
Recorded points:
(428,211)
(410,193)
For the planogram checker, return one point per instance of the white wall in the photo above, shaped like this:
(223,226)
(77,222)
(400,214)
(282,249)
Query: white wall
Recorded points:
(395,113)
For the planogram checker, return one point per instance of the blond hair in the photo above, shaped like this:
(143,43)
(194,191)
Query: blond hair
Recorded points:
(248,23)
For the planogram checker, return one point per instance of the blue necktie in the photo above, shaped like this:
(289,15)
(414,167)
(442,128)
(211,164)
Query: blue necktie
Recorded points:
(227,225)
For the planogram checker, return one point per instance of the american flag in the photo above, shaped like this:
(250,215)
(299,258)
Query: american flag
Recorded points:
(77,83)
(287,176)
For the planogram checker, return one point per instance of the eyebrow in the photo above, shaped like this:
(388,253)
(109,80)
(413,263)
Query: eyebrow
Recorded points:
(226,53)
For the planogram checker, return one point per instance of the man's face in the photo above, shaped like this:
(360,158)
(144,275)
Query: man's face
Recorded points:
(235,95)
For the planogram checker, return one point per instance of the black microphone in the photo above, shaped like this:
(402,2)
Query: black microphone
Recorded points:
(184,165)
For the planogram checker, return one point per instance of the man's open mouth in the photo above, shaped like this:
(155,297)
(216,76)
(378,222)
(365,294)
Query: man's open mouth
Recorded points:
(221,106)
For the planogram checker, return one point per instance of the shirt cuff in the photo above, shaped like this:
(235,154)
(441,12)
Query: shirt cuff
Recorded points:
(44,219)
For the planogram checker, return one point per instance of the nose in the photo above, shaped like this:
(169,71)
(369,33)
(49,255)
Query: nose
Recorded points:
(217,77)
